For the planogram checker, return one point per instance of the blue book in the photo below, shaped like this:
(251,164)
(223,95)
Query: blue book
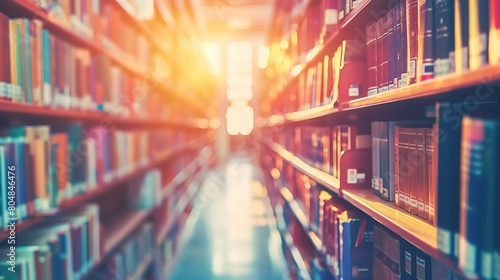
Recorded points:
(355,247)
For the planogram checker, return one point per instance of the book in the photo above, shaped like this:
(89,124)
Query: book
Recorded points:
(447,198)
(445,37)
(461,35)
(383,55)
(412,39)
(355,246)
(477,211)
(494,35)
(425,57)
(478,33)
(372,59)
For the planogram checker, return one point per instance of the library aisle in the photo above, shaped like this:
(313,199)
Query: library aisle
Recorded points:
(231,232)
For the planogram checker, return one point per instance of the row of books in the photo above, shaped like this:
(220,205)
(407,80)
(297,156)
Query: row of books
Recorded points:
(403,165)
(54,164)
(354,243)
(411,42)
(323,147)
(467,179)
(128,259)
(65,247)
(395,258)
(102,21)
(42,69)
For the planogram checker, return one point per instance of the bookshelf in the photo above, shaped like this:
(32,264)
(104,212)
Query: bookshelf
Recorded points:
(104,130)
(359,93)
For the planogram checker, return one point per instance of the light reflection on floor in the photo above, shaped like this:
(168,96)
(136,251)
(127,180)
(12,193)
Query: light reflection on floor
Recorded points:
(233,236)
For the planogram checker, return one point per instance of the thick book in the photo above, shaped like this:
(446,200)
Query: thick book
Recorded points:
(430,184)
(371,59)
(425,40)
(477,196)
(494,39)
(478,33)
(448,182)
(408,260)
(445,37)
(397,45)
(391,49)
(412,39)
(403,57)
(383,55)
(461,35)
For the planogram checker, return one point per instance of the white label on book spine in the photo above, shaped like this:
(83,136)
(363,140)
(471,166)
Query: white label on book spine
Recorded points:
(412,68)
(441,67)
(353,91)
(487,265)
(352,176)
(331,16)
(467,258)
(496,268)
(431,211)
(420,206)
(375,185)
(426,208)
(401,198)
(372,91)
(444,241)
(413,203)
(3,89)
(465,60)
(404,80)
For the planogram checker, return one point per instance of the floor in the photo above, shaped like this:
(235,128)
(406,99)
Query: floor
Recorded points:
(231,233)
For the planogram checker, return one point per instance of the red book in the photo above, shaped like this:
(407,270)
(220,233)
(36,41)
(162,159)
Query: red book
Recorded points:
(412,39)
(494,40)
(371,59)
(383,55)
(352,74)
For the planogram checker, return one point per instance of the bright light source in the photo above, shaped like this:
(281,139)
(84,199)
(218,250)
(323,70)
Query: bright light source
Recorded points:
(212,53)
(263,56)
(239,120)
(235,93)
(239,103)
(284,44)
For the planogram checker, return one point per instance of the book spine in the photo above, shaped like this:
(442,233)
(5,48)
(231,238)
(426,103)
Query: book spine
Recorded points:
(383,50)
(444,32)
(461,35)
(384,161)
(398,199)
(404,45)
(391,49)
(397,45)
(478,33)
(472,162)
(375,158)
(412,166)
(421,182)
(494,40)
(426,40)
(412,39)
(447,199)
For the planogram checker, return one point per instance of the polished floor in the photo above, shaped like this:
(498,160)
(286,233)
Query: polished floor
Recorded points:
(231,233)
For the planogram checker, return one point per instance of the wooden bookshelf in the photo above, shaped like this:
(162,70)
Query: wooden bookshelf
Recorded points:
(121,228)
(101,189)
(288,241)
(24,8)
(186,199)
(311,114)
(41,113)
(302,218)
(323,178)
(408,226)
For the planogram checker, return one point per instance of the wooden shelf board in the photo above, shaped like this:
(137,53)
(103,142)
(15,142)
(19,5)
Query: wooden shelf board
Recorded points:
(121,227)
(319,176)
(30,10)
(19,109)
(288,239)
(310,114)
(331,41)
(100,189)
(410,227)
(302,218)
(142,268)
(429,88)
